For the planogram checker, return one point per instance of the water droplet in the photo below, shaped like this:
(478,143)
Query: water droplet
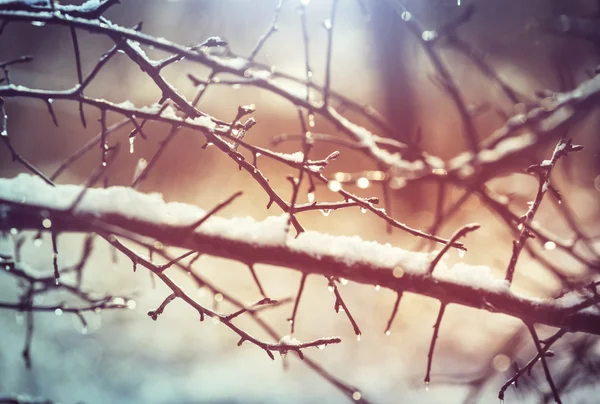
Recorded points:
(388,333)
(330,289)
(56,281)
(426,386)
(461,253)
(429,35)
(218,297)
(19,318)
(291,321)
(131,304)
(377,288)
(406,16)
(358,337)
(84,330)
(549,245)
(311,120)
(104,164)
(334,186)
(131,144)
(38,23)
(327,24)
(325,212)
(363,210)
(398,272)
(47,223)
(520,226)
(37,242)
(14,231)
(321,347)
(311,197)
(363,182)
(216,320)
(343,281)
(356,396)
(58,312)
(158,245)
(309,74)
(236,86)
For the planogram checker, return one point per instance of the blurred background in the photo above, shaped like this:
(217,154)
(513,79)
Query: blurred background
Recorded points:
(126,357)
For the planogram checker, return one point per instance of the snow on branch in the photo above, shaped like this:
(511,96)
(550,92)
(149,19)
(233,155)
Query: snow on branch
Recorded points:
(28,202)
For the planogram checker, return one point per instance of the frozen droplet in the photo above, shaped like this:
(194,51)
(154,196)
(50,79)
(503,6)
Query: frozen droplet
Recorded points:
(356,396)
(218,297)
(37,242)
(549,245)
(158,245)
(461,253)
(330,288)
(38,23)
(58,312)
(377,288)
(343,281)
(131,144)
(321,347)
(427,386)
(311,120)
(363,182)
(14,231)
(47,223)
(291,321)
(520,226)
(325,212)
(429,35)
(56,281)
(104,164)
(358,337)
(334,186)
(388,333)
(327,24)
(131,304)
(311,197)
(363,210)
(118,301)
(84,330)
(406,16)
(139,168)
(309,73)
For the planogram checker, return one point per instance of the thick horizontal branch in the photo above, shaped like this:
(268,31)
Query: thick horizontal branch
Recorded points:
(25,201)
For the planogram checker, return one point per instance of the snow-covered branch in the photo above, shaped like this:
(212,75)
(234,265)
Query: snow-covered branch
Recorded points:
(27,201)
